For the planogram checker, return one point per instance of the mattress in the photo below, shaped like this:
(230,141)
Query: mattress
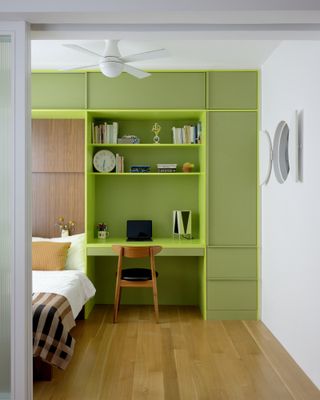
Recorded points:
(73,285)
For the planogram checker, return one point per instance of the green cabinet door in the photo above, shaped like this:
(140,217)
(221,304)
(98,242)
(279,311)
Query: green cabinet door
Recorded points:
(232,295)
(232,263)
(58,91)
(229,90)
(232,158)
(162,90)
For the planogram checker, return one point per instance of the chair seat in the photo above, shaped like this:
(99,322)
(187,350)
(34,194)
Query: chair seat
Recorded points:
(137,274)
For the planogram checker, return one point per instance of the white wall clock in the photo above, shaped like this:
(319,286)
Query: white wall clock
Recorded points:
(104,161)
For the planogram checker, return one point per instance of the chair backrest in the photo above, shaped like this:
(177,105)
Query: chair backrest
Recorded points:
(136,251)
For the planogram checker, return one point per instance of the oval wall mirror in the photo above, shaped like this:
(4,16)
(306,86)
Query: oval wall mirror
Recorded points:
(281,152)
(265,157)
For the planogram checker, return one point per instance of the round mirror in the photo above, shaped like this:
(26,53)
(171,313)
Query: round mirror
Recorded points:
(281,152)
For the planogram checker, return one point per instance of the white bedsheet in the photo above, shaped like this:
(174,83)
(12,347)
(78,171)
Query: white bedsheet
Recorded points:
(74,285)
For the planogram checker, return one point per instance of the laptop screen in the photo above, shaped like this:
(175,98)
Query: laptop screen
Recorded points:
(139,229)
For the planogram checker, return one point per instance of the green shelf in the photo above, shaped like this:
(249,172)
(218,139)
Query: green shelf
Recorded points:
(148,145)
(145,173)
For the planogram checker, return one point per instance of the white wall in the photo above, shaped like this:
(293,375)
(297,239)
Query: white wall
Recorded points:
(291,211)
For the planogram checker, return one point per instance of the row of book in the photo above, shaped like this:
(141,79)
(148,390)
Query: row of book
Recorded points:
(188,134)
(119,163)
(105,133)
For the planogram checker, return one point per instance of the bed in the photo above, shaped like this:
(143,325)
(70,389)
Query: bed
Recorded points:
(58,298)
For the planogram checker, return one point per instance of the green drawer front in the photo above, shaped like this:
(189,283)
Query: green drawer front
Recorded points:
(232,295)
(183,90)
(58,91)
(232,90)
(232,315)
(232,206)
(232,263)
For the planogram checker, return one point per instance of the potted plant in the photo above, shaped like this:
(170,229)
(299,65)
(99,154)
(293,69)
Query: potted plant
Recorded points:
(187,167)
(102,230)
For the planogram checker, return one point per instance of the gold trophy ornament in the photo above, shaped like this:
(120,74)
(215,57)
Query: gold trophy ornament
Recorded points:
(156,130)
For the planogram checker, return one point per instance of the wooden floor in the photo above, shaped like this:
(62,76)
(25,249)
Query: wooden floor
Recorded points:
(182,358)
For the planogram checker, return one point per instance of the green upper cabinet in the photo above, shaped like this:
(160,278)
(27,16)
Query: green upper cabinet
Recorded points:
(58,90)
(231,90)
(232,157)
(162,90)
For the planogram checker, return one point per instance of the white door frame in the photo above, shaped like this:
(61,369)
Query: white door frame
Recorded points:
(21,287)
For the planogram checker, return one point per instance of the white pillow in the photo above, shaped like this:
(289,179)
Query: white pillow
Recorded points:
(76,252)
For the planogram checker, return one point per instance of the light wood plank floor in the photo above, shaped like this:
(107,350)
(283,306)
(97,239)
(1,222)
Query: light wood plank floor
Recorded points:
(182,358)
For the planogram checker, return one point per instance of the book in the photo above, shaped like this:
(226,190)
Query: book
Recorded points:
(104,133)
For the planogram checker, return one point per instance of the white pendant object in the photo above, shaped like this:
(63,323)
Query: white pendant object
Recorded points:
(295,148)
(280,154)
(265,157)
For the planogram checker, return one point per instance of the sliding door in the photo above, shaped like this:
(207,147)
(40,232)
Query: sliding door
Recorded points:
(15,288)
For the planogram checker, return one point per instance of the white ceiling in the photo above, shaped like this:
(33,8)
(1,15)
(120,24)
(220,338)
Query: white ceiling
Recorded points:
(184,54)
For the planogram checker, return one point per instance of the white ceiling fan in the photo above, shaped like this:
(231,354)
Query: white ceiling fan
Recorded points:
(112,64)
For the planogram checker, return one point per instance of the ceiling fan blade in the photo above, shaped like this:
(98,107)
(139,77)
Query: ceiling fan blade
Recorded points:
(82,49)
(138,73)
(75,68)
(147,55)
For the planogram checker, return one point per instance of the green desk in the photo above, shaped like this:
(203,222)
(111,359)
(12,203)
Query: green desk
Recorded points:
(170,246)
(181,264)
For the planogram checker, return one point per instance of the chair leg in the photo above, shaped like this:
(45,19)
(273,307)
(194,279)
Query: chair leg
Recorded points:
(120,291)
(155,300)
(116,301)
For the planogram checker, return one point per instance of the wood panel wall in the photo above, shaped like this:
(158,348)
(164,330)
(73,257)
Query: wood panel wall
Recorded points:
(57,175)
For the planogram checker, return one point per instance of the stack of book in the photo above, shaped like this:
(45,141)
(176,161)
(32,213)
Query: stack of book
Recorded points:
(167,167)
(105,133)
(188,134)
(119,163)
(140,168)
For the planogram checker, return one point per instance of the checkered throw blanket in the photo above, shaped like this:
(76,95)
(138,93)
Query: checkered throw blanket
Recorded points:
(52,322)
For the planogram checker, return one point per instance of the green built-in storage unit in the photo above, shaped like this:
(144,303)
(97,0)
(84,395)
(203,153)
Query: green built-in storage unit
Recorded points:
(232,195)
(217,269)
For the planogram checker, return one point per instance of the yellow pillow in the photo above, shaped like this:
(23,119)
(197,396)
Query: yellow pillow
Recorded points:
(49,256)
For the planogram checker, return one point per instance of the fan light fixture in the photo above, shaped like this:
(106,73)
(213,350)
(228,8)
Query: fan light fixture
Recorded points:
(111,69)
(112,64)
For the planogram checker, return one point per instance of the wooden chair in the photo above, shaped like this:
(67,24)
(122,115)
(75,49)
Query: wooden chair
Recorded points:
(136,277)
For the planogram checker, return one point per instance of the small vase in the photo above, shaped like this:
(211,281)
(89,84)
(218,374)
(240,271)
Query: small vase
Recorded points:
(102,234)
(64,232)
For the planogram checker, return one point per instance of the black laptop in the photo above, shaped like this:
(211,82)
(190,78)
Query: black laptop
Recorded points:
(139,230)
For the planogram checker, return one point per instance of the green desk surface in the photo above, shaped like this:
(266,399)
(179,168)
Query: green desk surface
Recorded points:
(171,247)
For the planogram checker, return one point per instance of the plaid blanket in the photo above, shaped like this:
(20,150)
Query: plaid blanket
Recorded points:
(52,322)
